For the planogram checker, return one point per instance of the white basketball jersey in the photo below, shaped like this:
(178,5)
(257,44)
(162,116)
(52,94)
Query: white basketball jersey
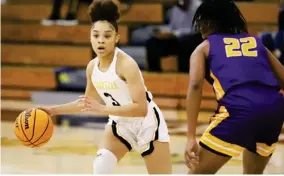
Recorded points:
(111,88)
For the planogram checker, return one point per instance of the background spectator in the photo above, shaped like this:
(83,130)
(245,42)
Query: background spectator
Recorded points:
(71,15)
(175,39)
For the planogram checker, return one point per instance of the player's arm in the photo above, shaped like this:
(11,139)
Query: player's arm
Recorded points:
(131,73)
(277,68)
(194,94)
(73,107)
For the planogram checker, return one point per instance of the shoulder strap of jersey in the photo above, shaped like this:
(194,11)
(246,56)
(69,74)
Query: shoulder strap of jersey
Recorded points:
(113,64)
(95,63)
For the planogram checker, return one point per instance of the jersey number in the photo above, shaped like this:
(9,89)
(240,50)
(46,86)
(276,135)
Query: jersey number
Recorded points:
(240,47)
(114,103)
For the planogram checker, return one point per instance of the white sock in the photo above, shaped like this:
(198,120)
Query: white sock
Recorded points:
(105,162)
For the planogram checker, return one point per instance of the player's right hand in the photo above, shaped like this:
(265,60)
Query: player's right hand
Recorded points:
(191,153)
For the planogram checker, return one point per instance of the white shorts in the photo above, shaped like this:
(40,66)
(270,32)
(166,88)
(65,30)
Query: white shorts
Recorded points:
(139,133)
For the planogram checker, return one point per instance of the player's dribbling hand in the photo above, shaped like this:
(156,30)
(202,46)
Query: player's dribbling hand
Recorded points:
(88,105)
(46,109)
(191,153)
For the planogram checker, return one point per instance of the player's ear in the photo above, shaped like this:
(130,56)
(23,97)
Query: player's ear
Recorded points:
(117,38)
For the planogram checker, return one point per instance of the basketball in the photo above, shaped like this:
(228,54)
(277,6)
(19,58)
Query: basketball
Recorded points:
(33,127)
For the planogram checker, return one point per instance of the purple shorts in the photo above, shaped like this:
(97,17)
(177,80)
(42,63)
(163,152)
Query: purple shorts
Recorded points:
(255,127)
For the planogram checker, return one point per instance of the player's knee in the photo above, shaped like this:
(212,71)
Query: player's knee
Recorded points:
(105,162)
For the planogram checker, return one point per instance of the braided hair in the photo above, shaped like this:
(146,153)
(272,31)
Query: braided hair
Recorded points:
(219,16)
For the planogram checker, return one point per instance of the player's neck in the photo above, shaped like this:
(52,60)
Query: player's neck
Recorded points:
(106,60)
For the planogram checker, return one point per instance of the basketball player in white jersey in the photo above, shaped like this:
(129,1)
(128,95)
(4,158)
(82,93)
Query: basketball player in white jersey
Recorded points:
(115,87)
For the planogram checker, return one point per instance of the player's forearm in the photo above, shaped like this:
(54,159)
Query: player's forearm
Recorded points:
(193,101)
(279,72)
(277,68)
(68,108)
(131,110)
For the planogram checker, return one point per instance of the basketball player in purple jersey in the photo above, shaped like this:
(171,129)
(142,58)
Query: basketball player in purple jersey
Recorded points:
(246,79)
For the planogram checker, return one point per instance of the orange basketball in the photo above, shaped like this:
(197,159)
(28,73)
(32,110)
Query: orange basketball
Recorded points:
(33,127)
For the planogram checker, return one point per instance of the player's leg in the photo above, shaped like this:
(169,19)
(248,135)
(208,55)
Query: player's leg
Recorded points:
(159,161)
(254,163)
(269,125)
(255,159)
(153,140)
(210,161)
(222,140)
(112,149)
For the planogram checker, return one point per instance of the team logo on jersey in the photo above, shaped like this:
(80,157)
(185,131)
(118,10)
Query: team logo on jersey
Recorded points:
(98,154)
(105,85)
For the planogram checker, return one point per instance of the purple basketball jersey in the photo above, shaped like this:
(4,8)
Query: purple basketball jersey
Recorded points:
(237,60)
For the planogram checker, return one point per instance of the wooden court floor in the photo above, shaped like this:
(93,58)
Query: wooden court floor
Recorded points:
(72,149)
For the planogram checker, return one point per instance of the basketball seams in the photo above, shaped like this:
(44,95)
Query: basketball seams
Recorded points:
(17,129)
(20,139)
(43,131)
(37,145)
(33,126)
(23,130)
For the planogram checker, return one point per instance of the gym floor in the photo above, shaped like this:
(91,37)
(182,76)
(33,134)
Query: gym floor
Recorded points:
(71,150)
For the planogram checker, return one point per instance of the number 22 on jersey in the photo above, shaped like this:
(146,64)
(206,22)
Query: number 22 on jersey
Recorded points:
(240,47)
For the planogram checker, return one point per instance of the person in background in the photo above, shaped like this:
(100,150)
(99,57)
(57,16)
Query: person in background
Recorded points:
(55,16)
(175,39)
(274,41)
(70,18)
(71,15)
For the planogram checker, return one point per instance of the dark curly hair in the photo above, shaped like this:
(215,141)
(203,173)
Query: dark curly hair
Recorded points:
(100,10)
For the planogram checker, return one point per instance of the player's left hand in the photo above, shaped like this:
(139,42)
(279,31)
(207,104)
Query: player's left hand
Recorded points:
(90,105)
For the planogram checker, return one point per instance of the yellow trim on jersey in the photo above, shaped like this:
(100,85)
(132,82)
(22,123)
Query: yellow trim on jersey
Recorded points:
(217,144)
(147,147)
(219,91)
(265,150)
(221,146)
(218,118)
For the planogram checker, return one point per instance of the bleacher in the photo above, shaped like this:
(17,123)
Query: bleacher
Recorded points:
(31,52)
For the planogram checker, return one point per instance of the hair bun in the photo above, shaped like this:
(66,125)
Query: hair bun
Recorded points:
(103,10)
